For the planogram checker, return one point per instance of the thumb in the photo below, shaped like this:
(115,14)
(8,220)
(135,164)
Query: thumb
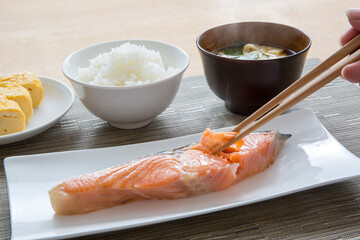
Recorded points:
(351,72)
(353,15)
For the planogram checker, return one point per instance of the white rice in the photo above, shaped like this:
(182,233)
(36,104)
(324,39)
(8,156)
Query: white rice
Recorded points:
(126,65)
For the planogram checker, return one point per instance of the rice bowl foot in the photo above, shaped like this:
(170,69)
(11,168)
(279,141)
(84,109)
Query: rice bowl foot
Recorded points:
(130,125)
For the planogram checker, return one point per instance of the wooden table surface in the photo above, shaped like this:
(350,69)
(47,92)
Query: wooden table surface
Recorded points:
(37,35)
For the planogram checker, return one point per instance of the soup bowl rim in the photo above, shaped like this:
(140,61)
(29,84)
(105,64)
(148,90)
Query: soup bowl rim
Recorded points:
(252,60)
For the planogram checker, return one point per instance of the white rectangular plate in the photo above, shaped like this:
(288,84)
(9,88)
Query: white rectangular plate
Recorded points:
(310,158)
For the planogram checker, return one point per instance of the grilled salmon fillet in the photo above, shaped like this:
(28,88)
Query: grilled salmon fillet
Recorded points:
(192,171)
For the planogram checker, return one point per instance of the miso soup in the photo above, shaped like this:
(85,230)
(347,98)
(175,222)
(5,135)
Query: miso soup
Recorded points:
(252,51)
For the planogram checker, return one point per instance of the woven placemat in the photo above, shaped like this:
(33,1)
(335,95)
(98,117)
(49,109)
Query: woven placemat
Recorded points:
(329,212)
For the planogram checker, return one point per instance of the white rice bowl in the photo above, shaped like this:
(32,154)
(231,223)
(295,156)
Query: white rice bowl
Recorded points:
(126,65)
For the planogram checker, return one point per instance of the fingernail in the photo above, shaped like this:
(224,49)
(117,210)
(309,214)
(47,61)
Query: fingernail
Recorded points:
(340,44)
(342,73)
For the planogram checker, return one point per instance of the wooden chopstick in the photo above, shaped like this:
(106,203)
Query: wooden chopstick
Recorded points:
(300,95)
(322,67)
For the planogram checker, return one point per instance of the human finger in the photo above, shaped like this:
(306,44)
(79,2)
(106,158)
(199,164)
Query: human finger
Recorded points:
(353,15)
(351,72)
(350,34)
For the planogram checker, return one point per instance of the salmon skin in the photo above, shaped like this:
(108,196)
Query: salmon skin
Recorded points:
(181,173)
